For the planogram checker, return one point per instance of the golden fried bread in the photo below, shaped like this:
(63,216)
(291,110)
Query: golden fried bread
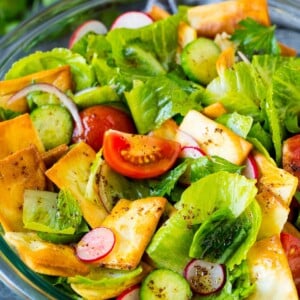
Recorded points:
(18,133)
(72,172)
(19,171)
(133,223)
(44,257)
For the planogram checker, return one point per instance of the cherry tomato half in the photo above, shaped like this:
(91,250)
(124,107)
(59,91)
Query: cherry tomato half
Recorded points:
(139,156)
(291,246)
(99,118)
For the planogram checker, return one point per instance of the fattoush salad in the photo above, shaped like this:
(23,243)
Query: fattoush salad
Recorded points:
(157,157)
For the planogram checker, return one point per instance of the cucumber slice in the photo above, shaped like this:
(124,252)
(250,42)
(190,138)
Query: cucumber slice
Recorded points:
(165,284)
(198,60)
(54,125)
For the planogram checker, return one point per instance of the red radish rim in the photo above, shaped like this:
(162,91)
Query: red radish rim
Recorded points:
(128,16)
(251,170)
(89,26)
(93,246)
(193,262)
(192,148)
(128,291)
(51,89)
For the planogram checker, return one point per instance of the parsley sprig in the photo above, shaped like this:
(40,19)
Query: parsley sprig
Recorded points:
(253,38)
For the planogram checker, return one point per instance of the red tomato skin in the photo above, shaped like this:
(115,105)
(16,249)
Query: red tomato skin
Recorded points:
(291,246)
(99,118)
(140,148)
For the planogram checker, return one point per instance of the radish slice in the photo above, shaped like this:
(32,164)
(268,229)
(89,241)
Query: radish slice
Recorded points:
(89,26)
(251,169)
(205,277)
(132,293)
(95,244)
(190,147)
(132,19)
(191,151)
(51,89)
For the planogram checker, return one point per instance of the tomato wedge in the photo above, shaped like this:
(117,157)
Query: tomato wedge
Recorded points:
(139,156)
(291,246)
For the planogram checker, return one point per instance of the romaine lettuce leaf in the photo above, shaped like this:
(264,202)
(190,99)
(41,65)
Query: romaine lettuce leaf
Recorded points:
(51,212)
(286,95)
(222,238)
(102,283)
(158,41)
(169,247)
(216,191)
(238,123)
(239,89)
(206,165)
(111,75)
(158,99)
(92,45)
(83,74)
(7,114)
(266,65)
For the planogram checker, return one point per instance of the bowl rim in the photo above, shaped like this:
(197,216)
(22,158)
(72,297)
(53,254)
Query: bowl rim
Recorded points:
(16,275)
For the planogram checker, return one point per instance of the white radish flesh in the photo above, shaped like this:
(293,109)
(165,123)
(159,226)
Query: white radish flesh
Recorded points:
(192,152)
(95,244)
(89,26)
(132,19)
(205,277)
(131,293)
(251,169)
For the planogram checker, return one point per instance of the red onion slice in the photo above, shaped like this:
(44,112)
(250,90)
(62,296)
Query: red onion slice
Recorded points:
(51,89)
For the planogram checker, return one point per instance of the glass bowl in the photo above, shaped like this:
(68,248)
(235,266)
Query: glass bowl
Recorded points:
(52,27)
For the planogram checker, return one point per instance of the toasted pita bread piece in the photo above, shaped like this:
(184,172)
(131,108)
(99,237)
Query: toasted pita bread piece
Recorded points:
(21,170)
(215,18)
(270,271)
(72,172)
(276,188)
(133,223)
(53,155)
(17,134)
(60,77)
(44,257)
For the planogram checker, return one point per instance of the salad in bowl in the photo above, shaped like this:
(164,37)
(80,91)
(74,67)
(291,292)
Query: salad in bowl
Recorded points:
(154,155)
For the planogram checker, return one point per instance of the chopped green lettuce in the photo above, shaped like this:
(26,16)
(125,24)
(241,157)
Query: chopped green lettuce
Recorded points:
(92,45)
(239,89)
(216,191)
(165,250)
(157,43)
(222,238)
(103,281)
(96,96)
(7,114)
(110,75)
(83,74)
(51,212)
(158,99)
(205,165)
(240,124)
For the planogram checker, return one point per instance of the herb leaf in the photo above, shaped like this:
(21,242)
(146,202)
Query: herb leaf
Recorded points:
(253,38)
